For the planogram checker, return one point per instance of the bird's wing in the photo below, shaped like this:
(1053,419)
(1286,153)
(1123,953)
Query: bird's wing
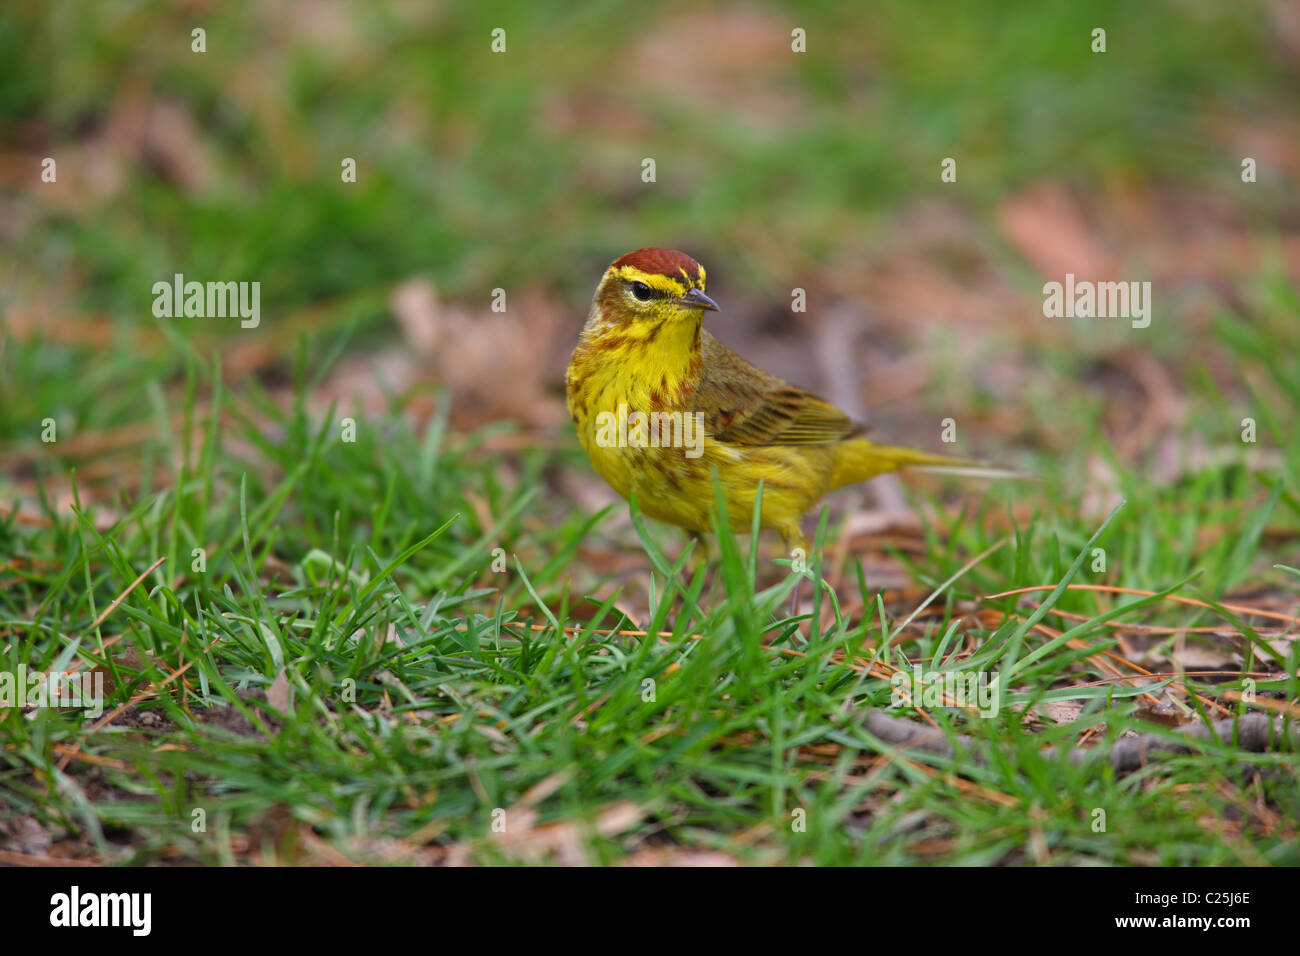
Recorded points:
(744,405)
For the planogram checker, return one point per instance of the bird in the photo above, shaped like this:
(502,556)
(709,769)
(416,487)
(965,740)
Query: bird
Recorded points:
(644,365)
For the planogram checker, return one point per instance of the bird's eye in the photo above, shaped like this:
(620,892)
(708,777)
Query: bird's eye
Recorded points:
(641,291)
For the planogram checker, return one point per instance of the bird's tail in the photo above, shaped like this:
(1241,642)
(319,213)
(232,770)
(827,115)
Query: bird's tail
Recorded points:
(860,459)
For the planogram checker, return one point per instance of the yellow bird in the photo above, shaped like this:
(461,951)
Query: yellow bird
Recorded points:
(659,403)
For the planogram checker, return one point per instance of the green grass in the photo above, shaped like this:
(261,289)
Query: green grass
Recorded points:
(335,562)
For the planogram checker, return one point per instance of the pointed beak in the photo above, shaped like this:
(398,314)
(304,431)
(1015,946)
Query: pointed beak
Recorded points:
(695,299)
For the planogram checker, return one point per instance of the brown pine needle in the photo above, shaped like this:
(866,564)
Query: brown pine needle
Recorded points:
(1266,703)
(122,597)
(1236,608)
(75,750)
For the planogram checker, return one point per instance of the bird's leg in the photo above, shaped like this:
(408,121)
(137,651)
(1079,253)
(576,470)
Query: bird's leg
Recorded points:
(796,545)
(700,556)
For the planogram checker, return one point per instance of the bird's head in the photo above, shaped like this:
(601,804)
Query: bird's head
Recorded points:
(643,290)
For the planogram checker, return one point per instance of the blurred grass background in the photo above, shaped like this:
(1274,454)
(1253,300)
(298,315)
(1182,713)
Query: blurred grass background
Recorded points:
(485,170)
